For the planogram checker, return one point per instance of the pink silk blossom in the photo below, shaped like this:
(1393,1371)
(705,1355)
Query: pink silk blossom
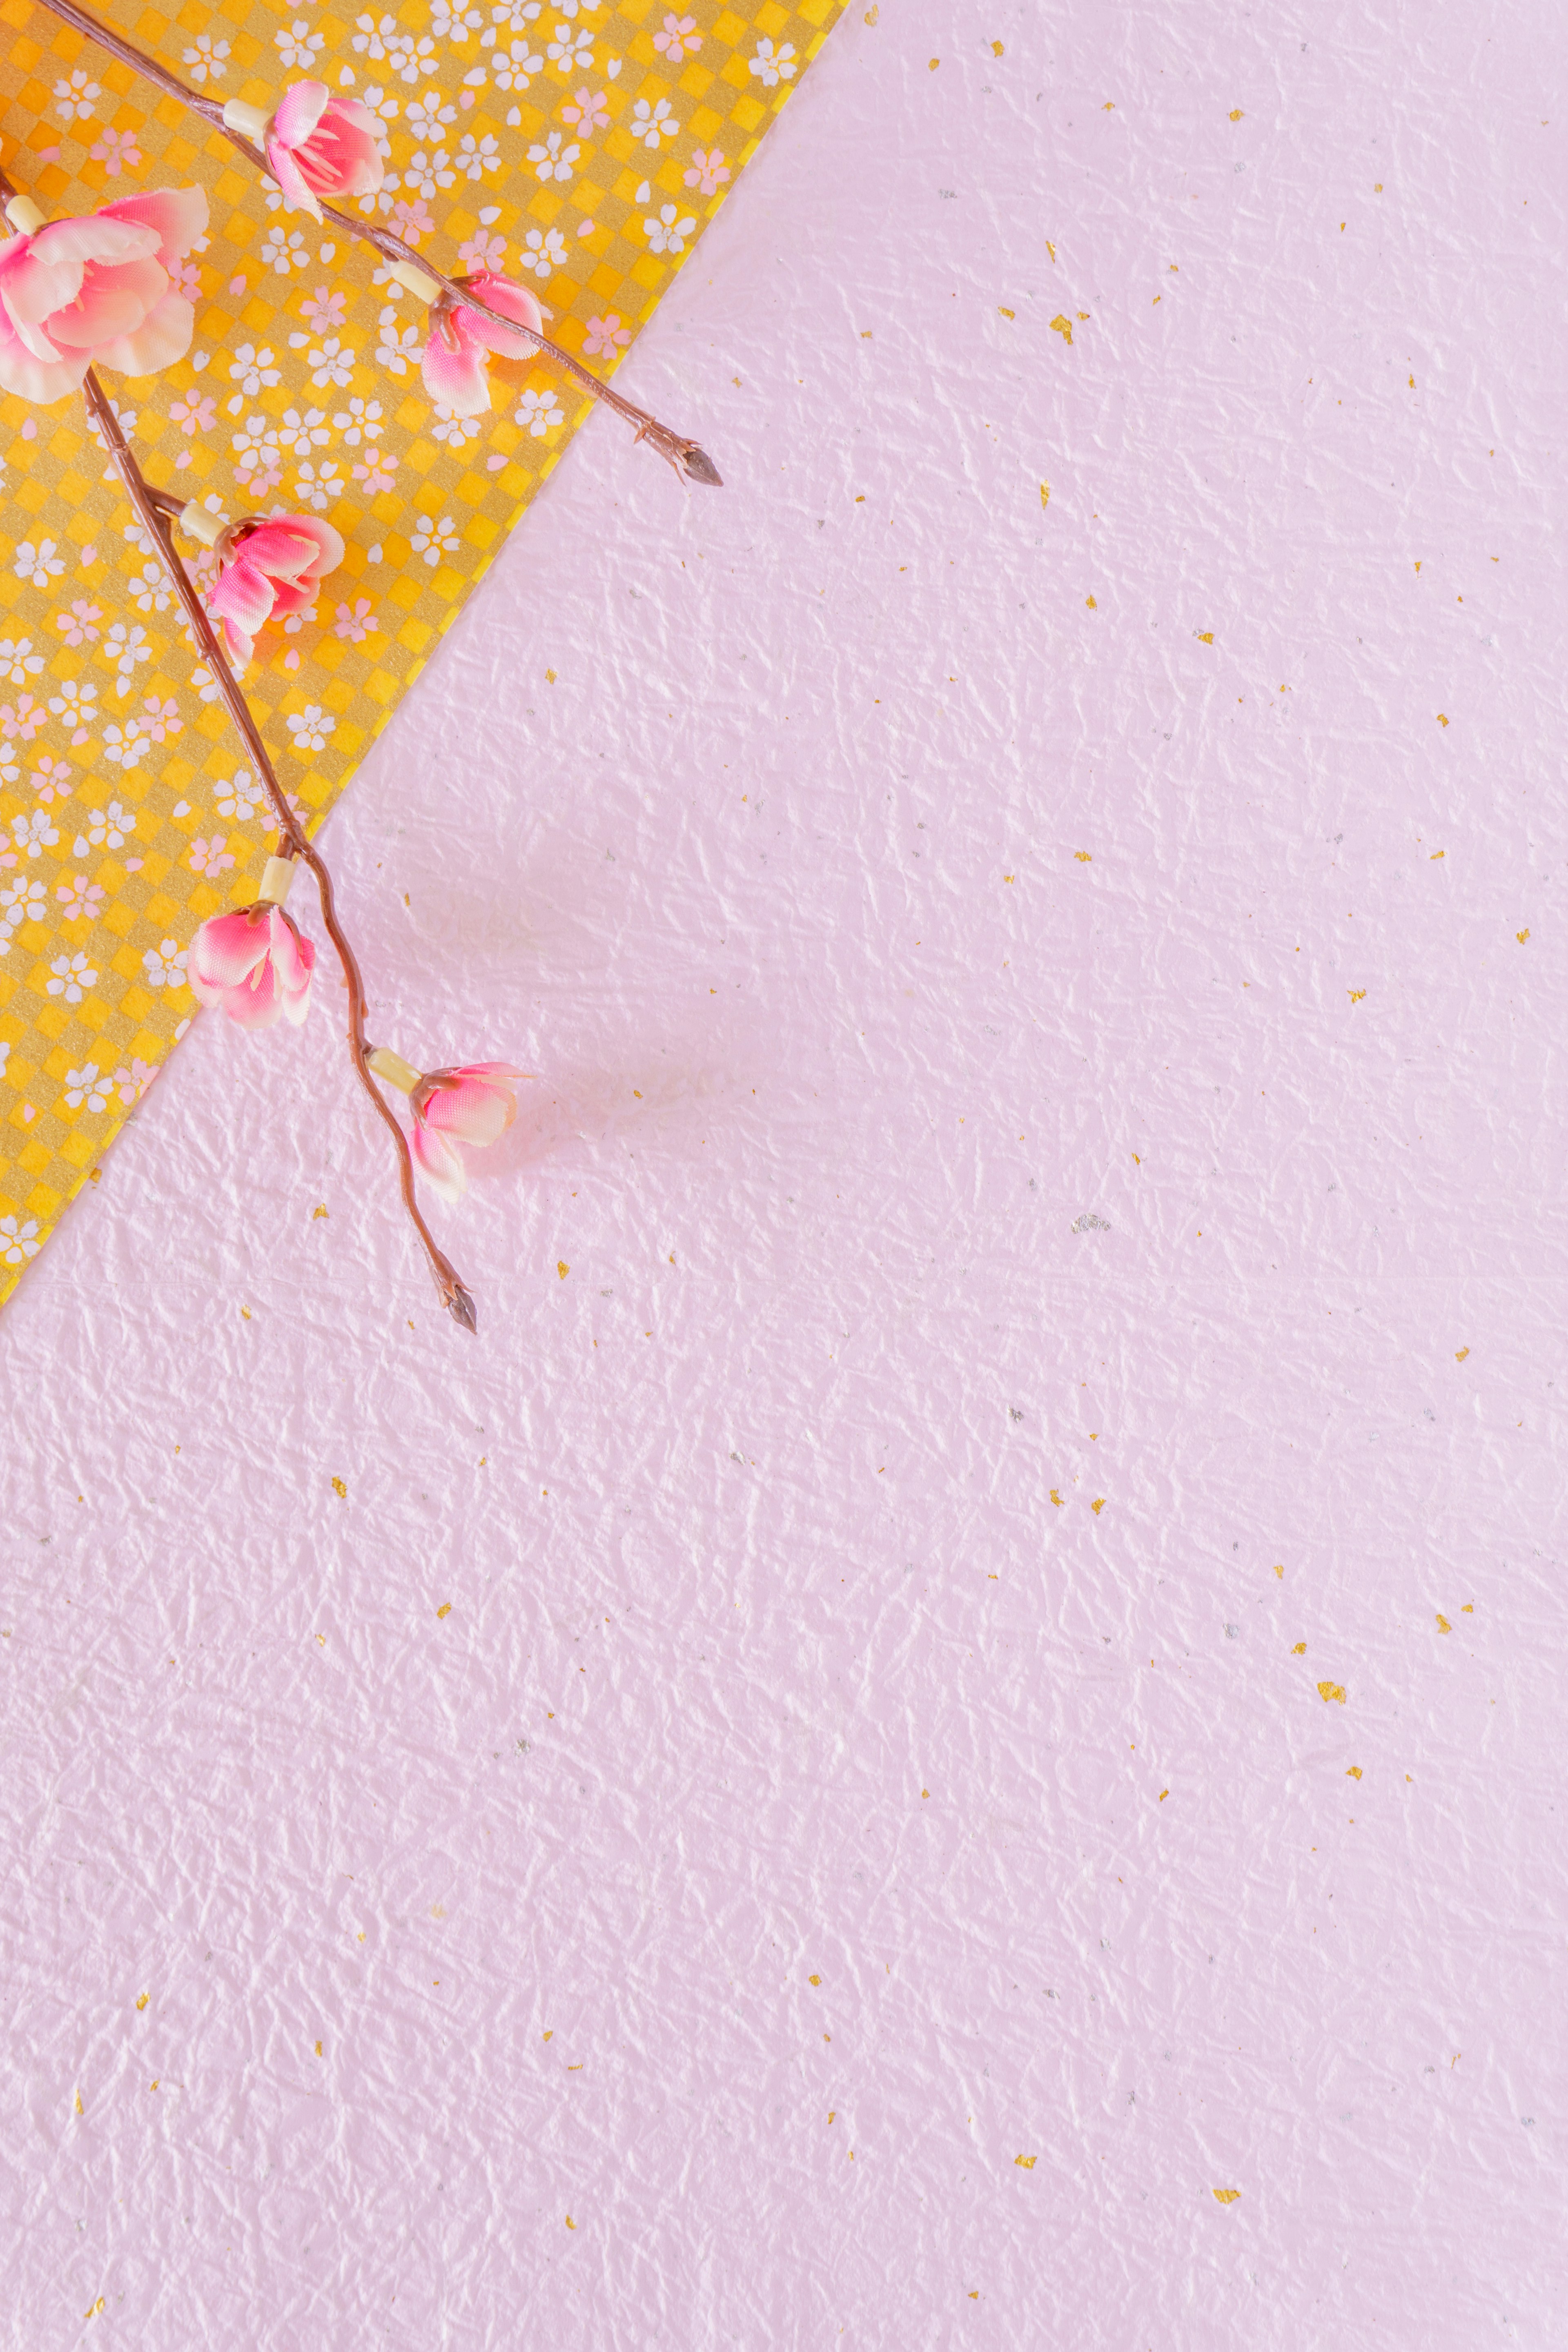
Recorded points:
(272,568)
(473,1104)
(95,291)
(319,146)
(453,365)
(254,966)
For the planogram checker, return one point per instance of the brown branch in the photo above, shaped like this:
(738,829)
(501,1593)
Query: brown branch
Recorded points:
(153,508)
(687,458)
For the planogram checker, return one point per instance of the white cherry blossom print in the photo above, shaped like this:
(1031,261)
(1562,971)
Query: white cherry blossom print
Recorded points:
(204,683)
(125,647)
(400,346)
(39,564)
(283,249)
(666,234)
(310,728)
(541,254)
(773,66)
(109,828)
(605,336)
(152,593)
(361,420)
(256,461)
(75,98)
(571,52)
(31,836)
(76,708)
(164,966)
(18,662)
(587,110)
(514,67)
(539,413)
(210,857)
(552,161)
(25,902)
(19,1242)
(477,156)
(252,370)
(452,429)
(432,540)
(70,977)
(321,486)
(299,46)
(299,434)
(238,799)
(652,123)
(80,898)
(206,60)
(513,18)
(428,114)
(331,362)
(87,1086)
(123,747)
(450,21)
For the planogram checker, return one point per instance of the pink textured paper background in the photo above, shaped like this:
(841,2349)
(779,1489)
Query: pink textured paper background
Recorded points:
(995,1049)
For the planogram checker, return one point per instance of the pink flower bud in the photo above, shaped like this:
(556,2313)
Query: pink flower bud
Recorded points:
(253,964)
(453,365)
(316,145)
(95,292)
(273,567)
(473,1104)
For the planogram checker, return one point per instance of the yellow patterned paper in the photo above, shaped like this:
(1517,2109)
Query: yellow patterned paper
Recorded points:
(575,146)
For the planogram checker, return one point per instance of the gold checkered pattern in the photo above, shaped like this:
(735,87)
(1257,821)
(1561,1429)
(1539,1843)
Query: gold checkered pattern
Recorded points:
(127,813)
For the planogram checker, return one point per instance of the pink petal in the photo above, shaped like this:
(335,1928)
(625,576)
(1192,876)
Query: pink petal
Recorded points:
(224,952)
(440,1161)
(513,302)
(31,378)
(290,546)
(294,960)
(177,215)
(297,189)
(455,376)
(115,299)
(298,111)
(244,595)
(256,1003)
(477,1110)
(163,336)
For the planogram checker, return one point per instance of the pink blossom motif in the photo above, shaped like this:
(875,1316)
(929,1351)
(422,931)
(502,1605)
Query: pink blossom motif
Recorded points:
(116,150)
(95,292)
(186,279)
(273,568)
(411,222)
(80,899)
(473,1104)
(24,718)
(709,171)
(453,365)
(254,966)
(163,719)
(51,780)
(210,857)
(589,110)
(377,472)
(355,622)
(679,37)
(606,335)
(319,146)
(192,414)
(483,250)
(79,624)
(132,1082)
(324,310)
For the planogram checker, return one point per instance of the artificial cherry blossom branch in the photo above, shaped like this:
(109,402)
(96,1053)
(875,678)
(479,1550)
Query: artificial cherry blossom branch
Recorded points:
(152,507)
(686,456)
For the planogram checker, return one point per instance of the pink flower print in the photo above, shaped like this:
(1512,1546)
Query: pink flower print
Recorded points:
(22,718)
(709,171)
(116,150)
(378,471)
(186,279)
(210,857)
(589,110)
(79,624)
(73,706)
(324,313)
(411,222)
(132,1082)
(80,899)
(482,251)
(355,622)
(607,334)
(680,36)
(192,414)
(51,780)
(163,719)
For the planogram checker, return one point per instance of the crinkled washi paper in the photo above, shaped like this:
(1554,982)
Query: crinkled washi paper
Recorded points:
(579,147)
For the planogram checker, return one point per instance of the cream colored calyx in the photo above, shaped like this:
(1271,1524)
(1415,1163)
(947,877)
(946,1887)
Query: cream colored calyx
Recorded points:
(23,215)
(197,522)
(395,1069)
(276,881)
(250,121)
(414,279)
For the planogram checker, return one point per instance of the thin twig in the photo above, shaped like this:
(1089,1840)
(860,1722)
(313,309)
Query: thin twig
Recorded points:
(687,458)
(152,506)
